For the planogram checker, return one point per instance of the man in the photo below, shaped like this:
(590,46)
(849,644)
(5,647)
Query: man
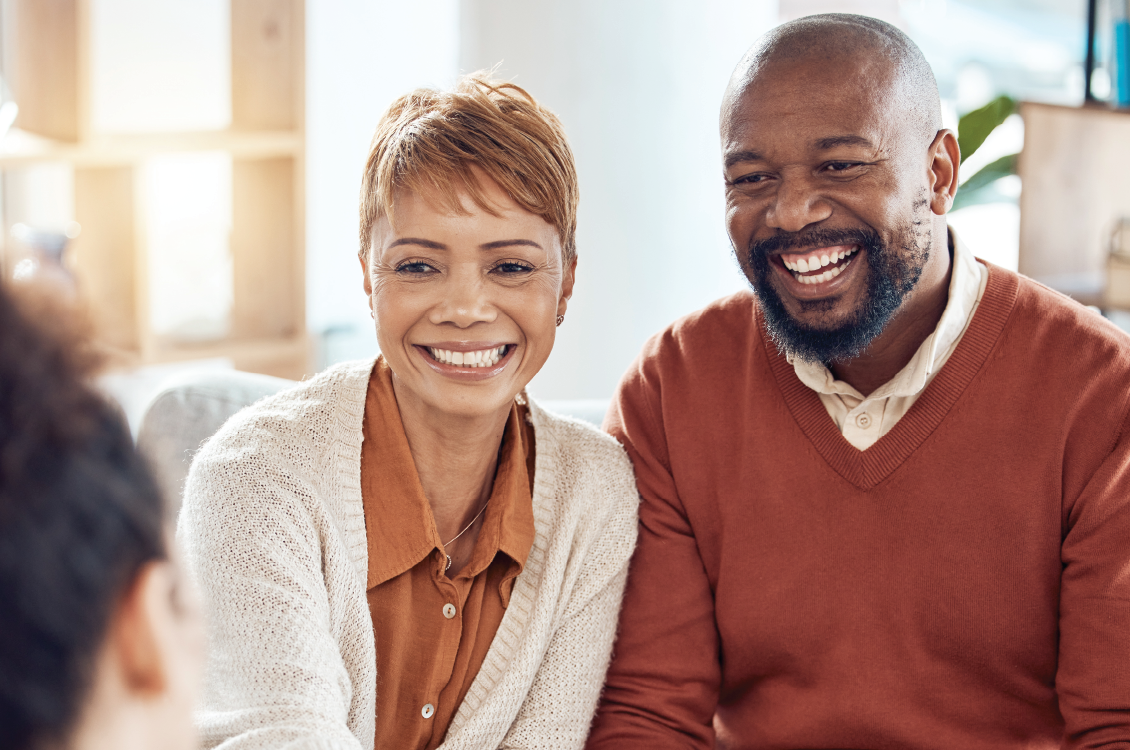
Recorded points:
(886,497)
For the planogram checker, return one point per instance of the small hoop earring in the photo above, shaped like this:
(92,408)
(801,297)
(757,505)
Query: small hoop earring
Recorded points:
(560,319)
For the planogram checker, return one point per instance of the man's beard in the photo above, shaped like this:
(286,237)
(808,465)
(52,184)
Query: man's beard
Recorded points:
(893,274)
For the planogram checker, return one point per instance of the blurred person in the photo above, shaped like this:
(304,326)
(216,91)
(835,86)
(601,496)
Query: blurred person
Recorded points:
(100,640)
(885,496)
(410,552)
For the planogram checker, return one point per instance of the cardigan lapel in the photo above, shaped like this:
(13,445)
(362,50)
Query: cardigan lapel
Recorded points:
(866,469)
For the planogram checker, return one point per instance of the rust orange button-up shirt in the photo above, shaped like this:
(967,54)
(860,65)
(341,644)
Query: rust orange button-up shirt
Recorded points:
(433,632)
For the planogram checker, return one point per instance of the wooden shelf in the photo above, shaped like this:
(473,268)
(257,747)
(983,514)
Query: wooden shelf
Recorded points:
(21,148)
(46,54)
(281,357)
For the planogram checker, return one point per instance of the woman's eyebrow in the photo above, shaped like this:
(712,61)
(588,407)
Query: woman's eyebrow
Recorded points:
(508,243)
(417,241)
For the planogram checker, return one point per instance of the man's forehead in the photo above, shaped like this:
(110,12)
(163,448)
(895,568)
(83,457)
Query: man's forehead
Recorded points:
(821,112)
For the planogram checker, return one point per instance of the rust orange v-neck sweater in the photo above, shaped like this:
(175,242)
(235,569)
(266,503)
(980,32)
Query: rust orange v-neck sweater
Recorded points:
(963,583)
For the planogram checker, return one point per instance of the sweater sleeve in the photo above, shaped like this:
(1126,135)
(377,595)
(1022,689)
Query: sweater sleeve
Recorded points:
(1093,676)
(252,536)
(557,712)
(663,683)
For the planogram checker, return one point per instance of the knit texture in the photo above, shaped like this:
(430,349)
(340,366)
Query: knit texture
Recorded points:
(273,531)
(963,583)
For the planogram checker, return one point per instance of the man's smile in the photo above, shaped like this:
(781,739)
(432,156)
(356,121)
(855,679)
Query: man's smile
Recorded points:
(822,264)
(816,273)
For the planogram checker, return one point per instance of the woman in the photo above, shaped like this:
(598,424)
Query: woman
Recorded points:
(100,642)
(411,553)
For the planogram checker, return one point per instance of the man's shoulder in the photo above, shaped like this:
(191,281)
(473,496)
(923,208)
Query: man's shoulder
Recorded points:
(703,355)
(721,326)
(1059,329)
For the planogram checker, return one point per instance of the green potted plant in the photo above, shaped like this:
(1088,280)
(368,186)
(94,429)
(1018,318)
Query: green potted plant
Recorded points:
(972,130)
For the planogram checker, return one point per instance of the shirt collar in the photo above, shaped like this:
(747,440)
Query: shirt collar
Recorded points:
(965,283)
(398,519)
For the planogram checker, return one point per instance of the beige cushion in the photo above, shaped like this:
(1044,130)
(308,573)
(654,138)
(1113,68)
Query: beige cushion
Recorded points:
(188,411)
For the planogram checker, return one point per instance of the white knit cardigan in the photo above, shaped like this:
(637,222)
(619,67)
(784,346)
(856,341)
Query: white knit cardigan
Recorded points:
(273,531)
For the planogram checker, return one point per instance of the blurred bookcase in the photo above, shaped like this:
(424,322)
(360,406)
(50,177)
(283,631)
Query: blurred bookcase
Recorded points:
(47,60)
(1075,200)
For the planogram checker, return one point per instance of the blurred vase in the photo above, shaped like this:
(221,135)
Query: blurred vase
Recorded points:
(36,256)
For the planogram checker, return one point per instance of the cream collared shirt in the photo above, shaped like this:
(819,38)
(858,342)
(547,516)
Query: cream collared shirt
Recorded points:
(864,420)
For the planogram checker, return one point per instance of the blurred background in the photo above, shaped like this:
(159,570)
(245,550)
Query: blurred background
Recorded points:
(189,169)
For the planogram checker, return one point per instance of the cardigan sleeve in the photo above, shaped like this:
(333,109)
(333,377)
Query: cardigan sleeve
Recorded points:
(1093,675)
(557,712)
(664,680)
(252,535)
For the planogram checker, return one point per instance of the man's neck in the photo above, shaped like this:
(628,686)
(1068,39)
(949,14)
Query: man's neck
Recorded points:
(893,349)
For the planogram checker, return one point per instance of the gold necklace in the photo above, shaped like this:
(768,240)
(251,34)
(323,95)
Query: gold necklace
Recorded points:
(461,533)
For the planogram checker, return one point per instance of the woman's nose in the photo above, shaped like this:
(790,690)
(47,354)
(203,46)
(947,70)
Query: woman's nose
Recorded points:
(465,301)
(797,204)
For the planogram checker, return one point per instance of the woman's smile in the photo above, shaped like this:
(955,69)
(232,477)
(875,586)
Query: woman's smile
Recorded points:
(468,360)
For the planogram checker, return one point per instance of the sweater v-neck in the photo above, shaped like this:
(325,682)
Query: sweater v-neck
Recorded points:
(867,468)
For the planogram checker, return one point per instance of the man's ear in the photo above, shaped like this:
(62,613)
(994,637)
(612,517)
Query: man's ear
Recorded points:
(135,631)
(567,280)
(945,159)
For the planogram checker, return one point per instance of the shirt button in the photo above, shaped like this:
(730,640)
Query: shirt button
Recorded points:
(427,710)
(863,421)
(449,610)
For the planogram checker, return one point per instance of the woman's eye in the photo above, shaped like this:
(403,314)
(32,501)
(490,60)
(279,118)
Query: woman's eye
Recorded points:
(414,268)
(510,268)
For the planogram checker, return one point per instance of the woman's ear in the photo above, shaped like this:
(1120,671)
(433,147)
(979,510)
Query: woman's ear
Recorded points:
(147,674)
(134,637)
(365,274)
(567,280)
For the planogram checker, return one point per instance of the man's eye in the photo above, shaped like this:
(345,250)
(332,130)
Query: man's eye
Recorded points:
(841,166)
(750,179)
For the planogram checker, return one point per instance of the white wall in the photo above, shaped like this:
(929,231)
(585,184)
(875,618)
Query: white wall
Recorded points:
(637,84)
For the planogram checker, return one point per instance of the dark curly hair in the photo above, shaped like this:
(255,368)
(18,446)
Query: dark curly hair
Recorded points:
(79,516)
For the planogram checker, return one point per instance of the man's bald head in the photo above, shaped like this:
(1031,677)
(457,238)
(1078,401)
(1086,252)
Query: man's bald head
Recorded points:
(888,58)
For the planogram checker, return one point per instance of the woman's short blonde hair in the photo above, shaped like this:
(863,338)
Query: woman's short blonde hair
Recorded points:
(432,141)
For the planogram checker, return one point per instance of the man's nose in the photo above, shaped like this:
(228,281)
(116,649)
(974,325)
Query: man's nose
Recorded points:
(797,204)
(465,301)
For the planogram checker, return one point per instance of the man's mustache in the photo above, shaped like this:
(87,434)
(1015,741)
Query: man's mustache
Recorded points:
(783,241)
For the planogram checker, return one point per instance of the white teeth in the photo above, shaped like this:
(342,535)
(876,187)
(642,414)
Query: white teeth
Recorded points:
(478,358)
(828,275)
(813,262)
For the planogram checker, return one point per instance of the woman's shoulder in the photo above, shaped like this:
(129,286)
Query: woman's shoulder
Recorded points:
(326,407)
(578,440)
(584,459)
(301,427)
